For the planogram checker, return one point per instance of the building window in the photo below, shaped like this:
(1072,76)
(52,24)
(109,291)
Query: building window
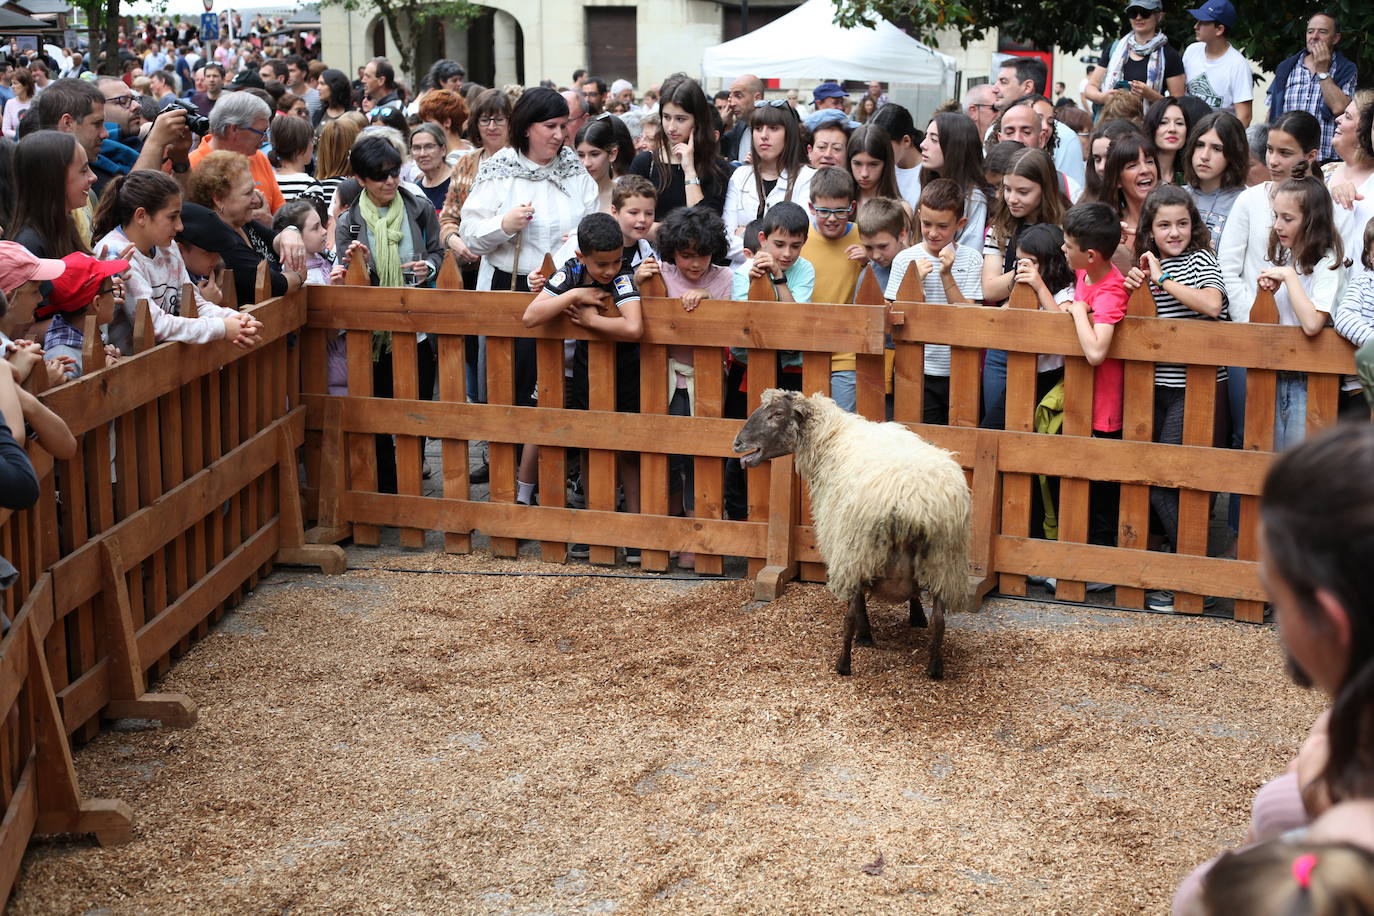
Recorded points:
(612,43)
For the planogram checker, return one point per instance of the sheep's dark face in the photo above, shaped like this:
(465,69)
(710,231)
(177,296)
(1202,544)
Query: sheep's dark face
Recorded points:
(771,430)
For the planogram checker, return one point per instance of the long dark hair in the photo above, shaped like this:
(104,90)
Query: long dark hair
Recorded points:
(601,133)
(1234,146)
(1170,195)
(1319,234)
(1124,151)
(1045,243)
(686,93)
(1035,164)
(873,140)
(41,161)
(1317,509)
(962,150)
(143,189)
(793,156)
(1110,131)
(340,92)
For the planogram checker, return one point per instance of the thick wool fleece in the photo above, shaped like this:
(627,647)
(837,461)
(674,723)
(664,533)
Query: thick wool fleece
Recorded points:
(878,490)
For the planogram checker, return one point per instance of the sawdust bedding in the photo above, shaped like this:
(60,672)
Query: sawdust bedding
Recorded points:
(401,743)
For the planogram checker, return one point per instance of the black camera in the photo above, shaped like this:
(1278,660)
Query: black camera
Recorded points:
(195,121)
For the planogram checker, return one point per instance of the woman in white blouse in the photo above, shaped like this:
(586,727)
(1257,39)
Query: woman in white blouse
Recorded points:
(526,199)
(778,171)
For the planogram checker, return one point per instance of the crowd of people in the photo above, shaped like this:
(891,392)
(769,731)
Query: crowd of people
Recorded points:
(203,160)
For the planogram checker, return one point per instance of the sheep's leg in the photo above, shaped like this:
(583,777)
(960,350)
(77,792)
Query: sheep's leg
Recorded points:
(863,634)
(936,667)
(918,611)
(851,622)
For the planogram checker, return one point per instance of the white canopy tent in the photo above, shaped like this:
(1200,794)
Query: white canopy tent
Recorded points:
(806,44)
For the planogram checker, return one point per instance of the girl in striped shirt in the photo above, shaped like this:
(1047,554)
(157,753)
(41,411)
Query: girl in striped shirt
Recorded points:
(1174,257)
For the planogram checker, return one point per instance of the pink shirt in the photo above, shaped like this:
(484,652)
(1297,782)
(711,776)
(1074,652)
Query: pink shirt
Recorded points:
(1106,301)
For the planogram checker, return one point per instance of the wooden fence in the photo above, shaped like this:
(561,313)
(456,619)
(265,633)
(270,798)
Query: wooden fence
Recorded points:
(182,493)
(185,490)
(777,536)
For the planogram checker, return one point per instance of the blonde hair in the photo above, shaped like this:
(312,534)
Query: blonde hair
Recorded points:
(215,176)
(1290,879)
(333,147)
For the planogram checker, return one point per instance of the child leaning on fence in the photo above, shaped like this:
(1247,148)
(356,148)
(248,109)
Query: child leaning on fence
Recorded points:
(87,283)
(1175,260)
(1307,280)
(596,291)
(689,240)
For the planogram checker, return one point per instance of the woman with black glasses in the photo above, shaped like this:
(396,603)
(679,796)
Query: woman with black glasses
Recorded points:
(1142,61)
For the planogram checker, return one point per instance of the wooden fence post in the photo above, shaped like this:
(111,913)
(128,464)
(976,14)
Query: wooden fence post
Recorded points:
(1138,420)
(453,389)
(653,399)
(128,696)
(290,524)
(1261,390)
(1021,402)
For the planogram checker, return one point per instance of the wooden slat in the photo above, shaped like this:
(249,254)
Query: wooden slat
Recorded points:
(405,381)
(362,455)
(452,388)
(1137,425)
(600,476)
(553,461)
(1020,417)
(501,454)
(1194,506)
(1074,497)
(708,472)
(653,468)
(1261,389)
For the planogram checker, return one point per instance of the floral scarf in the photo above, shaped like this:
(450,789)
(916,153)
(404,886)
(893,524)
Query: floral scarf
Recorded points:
(510,164)
(1152,51)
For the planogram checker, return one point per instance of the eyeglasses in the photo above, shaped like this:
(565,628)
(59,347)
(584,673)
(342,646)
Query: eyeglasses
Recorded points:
(124,101)
(983,105)
(831,212)
(264,135)
(1136,12)
(491,122)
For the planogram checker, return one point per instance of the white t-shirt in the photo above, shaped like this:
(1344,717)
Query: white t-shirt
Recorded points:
(909,184)
(1221,83)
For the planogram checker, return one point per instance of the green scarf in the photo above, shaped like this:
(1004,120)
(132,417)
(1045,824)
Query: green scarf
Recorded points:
(386,230)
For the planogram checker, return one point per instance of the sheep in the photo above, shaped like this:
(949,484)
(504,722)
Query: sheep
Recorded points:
(891,510)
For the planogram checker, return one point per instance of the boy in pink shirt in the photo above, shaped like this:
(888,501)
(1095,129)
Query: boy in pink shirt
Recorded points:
(1092,233)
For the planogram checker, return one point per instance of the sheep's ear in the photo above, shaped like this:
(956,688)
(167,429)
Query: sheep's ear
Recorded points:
(803,408)
(770,396)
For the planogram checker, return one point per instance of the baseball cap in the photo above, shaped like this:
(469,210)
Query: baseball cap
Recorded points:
(248,79)
(827,116)
(1216,11)
(18,266)
(1150,5)
(202,227)
(74,289)
(831,90)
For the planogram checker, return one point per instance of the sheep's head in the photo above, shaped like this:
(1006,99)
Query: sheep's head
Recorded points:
(772,429)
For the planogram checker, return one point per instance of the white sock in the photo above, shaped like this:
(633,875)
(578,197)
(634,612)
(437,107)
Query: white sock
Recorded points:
(524,492)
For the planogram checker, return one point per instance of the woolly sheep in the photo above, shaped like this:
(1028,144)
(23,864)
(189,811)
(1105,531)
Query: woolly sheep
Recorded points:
(891,510)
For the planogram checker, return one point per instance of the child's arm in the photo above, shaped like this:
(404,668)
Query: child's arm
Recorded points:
(48,427)
(628,326)
(1095,339)
(763,264)
(1309,318)
(997,283)
(1353,318)
(953,294)
(547,306)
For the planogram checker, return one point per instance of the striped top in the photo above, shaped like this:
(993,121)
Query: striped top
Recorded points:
(297,184)
(1197,270)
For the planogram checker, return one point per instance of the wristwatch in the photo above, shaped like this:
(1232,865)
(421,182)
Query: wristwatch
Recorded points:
(779,281)
(1162,278)
(1323,76)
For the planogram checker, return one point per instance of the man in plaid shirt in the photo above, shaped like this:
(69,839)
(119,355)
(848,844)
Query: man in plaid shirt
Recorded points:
(1318,79)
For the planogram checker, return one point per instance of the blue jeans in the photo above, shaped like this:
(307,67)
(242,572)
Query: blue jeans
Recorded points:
(994,390)
(842,389)
(1290,410)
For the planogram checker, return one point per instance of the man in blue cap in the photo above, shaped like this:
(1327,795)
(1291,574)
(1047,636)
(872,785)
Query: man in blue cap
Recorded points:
(1217,73)
(829,94)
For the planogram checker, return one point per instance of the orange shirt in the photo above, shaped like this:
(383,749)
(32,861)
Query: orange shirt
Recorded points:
(264,179)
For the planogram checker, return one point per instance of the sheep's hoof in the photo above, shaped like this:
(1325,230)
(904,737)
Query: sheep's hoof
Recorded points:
(918,614)
(936,669)
(842,668)
(865,639)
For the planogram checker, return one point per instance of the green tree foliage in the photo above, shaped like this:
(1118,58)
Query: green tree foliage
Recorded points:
(1265,34)
(406,20)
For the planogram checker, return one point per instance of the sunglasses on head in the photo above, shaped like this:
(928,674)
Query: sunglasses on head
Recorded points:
(385,111)
(771,103)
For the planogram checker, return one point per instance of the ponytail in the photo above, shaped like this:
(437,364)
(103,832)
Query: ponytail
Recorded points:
(144,189)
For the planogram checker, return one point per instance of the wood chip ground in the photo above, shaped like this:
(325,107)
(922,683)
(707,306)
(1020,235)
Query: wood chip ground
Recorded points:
(390,742)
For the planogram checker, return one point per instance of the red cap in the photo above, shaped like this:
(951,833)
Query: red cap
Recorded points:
(78,285)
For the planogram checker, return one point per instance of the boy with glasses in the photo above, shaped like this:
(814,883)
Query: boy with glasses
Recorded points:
(836,252)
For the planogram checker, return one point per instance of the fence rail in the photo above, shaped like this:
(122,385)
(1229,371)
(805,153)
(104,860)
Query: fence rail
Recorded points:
(185,488)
